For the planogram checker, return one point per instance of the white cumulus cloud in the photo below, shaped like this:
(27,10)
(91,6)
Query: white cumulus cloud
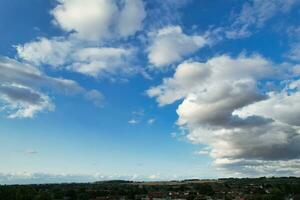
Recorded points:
(53,52)
(133,121)
(23,89)
(99,19)
(74,56)
(170,44)
(225,106)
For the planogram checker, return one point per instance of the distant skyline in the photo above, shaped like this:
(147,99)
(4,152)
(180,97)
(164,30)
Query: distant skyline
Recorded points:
(148,90)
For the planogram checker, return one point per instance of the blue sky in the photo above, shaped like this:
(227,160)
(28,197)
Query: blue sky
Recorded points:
(148,90)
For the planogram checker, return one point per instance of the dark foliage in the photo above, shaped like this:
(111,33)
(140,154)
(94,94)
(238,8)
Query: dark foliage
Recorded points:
(260,188)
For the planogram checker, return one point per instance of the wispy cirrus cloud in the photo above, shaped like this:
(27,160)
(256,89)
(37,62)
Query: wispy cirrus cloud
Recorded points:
(293,33)
(31,151)
(255,14)
(151,121)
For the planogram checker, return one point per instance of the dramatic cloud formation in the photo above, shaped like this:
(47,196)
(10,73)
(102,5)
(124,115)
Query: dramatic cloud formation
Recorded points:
(244,109)
(255,14)
(170,45)
(195,76)
(22,85)
(282,106)
(224,107)
(100,19)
